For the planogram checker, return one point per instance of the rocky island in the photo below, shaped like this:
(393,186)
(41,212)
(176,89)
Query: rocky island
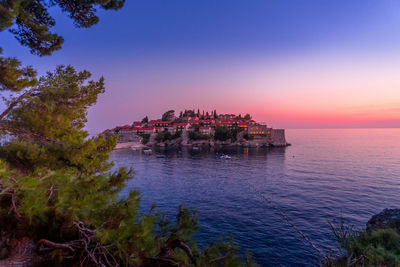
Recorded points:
(192,128)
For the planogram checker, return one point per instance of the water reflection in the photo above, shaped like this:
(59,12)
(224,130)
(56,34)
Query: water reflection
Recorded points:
(326,174)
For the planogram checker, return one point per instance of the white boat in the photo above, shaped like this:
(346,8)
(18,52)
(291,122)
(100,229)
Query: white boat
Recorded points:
(224,156)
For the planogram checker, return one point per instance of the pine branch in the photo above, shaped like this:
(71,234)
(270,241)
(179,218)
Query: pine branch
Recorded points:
(16,102)
(12,193)
(88,250)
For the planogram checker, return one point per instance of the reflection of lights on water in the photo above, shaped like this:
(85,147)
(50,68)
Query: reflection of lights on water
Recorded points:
(246,151)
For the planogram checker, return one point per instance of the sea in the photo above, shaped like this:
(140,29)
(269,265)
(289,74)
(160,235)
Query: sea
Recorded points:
(274,201)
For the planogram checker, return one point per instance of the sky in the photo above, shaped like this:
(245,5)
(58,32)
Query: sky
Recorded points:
(289,63)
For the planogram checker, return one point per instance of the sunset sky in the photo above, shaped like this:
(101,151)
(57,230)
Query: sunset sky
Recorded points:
(289,63)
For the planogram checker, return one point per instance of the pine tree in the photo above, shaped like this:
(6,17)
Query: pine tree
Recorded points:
(60,203)
(247,117)
(56,181)
(145,119)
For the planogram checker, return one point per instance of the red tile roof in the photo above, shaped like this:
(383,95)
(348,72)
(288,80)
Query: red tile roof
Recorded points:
(122,127)
(145,128)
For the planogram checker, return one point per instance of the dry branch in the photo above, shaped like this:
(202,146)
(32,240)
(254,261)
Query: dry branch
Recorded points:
(86,248)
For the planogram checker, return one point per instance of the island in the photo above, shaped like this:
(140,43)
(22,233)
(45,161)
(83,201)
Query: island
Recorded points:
(195,129)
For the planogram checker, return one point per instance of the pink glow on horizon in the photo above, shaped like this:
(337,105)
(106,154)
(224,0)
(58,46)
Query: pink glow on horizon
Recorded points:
(299,92)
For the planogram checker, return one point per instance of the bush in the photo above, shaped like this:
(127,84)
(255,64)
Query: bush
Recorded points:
(248,137)
(367,248)
(165,136)
(222,133)
(160,137)
(145,138)
(176,135)
(198,136)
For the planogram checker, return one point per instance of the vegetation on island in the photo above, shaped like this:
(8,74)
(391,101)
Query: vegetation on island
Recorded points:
(164,136)
(145,138)
(60,202)
(224,133)
(196,136)
(145,119)
(248,137)
(167,116)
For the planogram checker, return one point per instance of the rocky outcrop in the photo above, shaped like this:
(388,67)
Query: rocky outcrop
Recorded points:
(124,137)
(129,145)
(152,140)
(388,218)
(274,137)
(174,142)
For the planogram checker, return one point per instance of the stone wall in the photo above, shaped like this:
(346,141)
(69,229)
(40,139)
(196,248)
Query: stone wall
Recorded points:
(277,137)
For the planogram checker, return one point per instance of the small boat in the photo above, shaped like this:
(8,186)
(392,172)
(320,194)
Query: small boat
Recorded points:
(160,156)
(224,156)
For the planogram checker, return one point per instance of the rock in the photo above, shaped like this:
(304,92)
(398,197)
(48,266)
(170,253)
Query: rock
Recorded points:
(388,218)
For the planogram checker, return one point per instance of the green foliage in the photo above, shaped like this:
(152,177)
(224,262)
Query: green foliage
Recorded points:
(165,136)
(189,113)
(176,135)
(194,135)
(30,22)
(177,120)
(247,117)
(222,133)
(145,119)
(215,115)
(57,112)
(160,136)
(167,116)
(367,248)
(57,188)
(13,77)
(33,21)
(248,137)
(145,138)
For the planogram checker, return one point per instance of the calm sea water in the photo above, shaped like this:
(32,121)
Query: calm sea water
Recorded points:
(324,176)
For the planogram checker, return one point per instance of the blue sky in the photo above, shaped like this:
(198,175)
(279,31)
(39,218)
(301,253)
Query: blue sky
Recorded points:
(237,56)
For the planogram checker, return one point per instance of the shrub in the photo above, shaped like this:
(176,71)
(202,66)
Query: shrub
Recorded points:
(165,136)
(145,138)
(198,136)
(367,248)
(222,133)
(248,137)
